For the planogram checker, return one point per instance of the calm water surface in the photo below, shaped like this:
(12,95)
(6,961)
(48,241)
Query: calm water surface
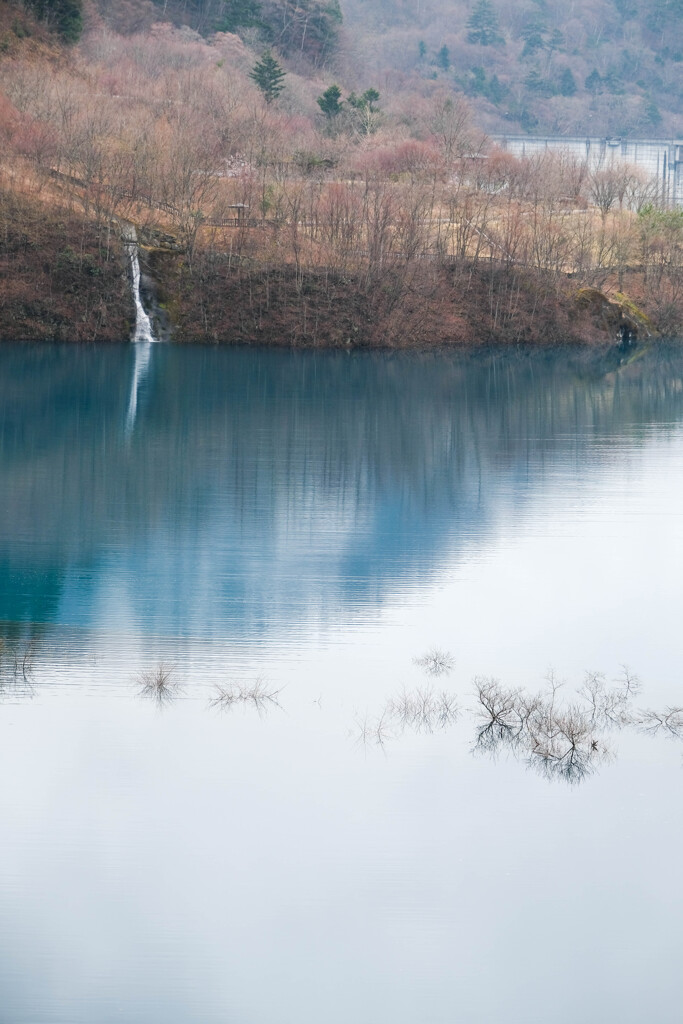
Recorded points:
(302,527)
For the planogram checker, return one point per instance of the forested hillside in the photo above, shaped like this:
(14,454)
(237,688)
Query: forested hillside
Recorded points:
(600,67)
(308,174)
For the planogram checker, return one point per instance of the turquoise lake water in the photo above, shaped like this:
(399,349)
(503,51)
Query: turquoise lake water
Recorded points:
(249,604)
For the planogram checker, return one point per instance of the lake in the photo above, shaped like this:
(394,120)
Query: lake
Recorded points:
(340,687)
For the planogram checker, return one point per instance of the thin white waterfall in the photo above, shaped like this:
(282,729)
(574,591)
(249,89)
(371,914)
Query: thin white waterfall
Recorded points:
(143,325)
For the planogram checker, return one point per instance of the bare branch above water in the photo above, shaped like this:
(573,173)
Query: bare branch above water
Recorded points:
(258,693)
(421,710)
(436,662)
(159,683)
(17,663)
(668,721)
(558,736)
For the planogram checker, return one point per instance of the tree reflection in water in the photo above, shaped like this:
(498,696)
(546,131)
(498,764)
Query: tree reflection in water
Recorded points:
(436,662)
(159,684)
(668,722)
(17,655)
(258,694)
(566,740)
(559,736)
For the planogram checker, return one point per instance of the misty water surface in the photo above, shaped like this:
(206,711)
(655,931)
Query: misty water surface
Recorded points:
(314,524)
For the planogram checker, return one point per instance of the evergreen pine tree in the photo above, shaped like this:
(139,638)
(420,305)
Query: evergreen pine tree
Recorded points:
(495,91)
(567,83)
(594,82)
(331,102)
(443,58)
(268,75)
(239,14)
(483,25)
(64,16)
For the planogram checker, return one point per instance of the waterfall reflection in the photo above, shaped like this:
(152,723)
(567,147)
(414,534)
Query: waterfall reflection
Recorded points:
(143,355)
(266,493)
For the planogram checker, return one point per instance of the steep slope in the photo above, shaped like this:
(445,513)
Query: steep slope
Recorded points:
(585,67)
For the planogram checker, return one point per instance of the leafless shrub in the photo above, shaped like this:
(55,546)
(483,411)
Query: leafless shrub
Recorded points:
(159,683)
(559,740)
(436,662)
(572,764)
(502,713)
(258,693)
(609,707)
(630,681)
(563,744)
(371,731)
(420,710)
(669,722)
(423,710)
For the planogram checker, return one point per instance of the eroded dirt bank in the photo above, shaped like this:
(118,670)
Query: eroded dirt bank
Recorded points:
(63,279)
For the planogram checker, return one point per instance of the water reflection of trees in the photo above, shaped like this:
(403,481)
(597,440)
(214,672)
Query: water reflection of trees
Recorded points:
(17,661)
(371,464)
(159,684)
(559,733)
(668,722)
(559,738)
(256,694)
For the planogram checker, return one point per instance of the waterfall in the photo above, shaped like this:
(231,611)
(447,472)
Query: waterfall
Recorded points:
(143,325)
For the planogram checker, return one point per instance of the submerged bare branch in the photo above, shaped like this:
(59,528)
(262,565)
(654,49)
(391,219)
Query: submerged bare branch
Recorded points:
(436,662)
(609,706)
(258,693)
(668,721)
(17,662)
(558,739)
(373,731)
(422,710)
(159,683)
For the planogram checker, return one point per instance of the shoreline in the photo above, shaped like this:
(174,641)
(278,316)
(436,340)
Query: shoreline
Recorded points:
(83,298)
(65,279)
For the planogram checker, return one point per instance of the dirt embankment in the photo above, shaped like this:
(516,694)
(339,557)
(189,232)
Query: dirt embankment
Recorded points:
(222,300)
(64,279)
(61,278)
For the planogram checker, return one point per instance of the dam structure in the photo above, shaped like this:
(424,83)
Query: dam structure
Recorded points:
(660,159)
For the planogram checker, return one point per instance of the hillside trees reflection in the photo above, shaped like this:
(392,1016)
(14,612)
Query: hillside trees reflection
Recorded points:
(258,490)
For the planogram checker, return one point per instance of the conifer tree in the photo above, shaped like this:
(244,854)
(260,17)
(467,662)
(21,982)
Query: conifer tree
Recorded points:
(268,75)
(331,102)
(567,83)
(64,16)
(483,25)
(239,14)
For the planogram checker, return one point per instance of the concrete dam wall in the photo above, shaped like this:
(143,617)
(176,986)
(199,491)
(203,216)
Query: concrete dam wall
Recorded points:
(660,159)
